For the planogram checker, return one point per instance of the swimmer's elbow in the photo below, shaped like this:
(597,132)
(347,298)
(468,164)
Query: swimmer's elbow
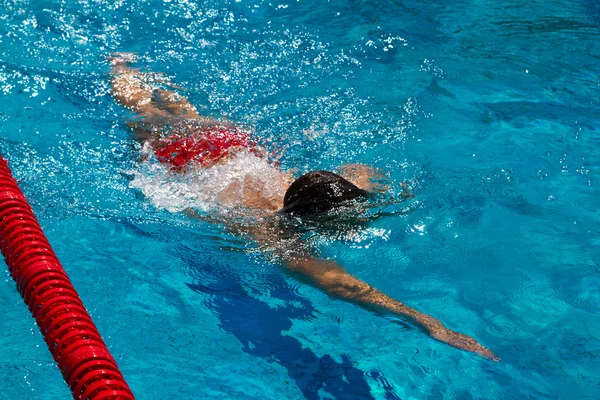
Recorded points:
(345,286)
(330,277)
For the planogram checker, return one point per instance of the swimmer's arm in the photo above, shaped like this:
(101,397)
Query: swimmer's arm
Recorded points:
(370,179)
(334,280)
(337,282)
(363,176)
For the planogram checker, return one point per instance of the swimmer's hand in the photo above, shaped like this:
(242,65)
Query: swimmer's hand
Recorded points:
(363,176)
(462,341)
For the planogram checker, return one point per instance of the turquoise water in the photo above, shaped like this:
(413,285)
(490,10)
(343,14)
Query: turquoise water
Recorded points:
(488,108)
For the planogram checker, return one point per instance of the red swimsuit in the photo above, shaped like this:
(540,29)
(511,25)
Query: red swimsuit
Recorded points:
(206,146)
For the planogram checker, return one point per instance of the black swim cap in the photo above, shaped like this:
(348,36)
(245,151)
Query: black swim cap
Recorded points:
(318,192)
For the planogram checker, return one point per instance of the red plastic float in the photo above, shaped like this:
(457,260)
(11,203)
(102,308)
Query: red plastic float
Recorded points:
(82,356)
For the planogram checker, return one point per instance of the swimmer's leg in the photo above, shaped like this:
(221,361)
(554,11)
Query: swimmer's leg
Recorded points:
(137,91)
(128,85)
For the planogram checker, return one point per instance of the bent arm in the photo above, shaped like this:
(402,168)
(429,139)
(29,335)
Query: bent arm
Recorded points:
(334,280)
(363,176)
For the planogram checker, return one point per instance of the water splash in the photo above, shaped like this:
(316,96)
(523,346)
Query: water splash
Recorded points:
(216,189)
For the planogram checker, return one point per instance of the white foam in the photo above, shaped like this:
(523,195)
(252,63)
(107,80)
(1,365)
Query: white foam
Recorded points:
(200,188)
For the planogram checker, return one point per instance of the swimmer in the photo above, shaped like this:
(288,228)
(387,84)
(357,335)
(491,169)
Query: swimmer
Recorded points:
(181,138)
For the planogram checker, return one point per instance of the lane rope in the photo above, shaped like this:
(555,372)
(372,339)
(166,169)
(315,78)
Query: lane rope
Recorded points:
(76,345)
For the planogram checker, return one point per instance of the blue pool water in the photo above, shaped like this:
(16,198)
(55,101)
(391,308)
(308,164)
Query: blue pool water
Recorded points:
(488,108)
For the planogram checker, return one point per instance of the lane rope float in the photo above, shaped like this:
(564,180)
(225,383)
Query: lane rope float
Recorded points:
(74,341)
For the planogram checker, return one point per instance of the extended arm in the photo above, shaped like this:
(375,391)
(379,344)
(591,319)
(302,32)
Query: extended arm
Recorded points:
(334,280)
(337,282)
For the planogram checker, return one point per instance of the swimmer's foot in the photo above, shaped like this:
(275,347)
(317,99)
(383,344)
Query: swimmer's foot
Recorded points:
(121,59)
(406,193)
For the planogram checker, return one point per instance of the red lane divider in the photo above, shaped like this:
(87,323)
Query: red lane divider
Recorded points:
(72,338)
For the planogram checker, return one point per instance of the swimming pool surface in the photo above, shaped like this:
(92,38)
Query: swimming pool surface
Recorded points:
(489,109)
